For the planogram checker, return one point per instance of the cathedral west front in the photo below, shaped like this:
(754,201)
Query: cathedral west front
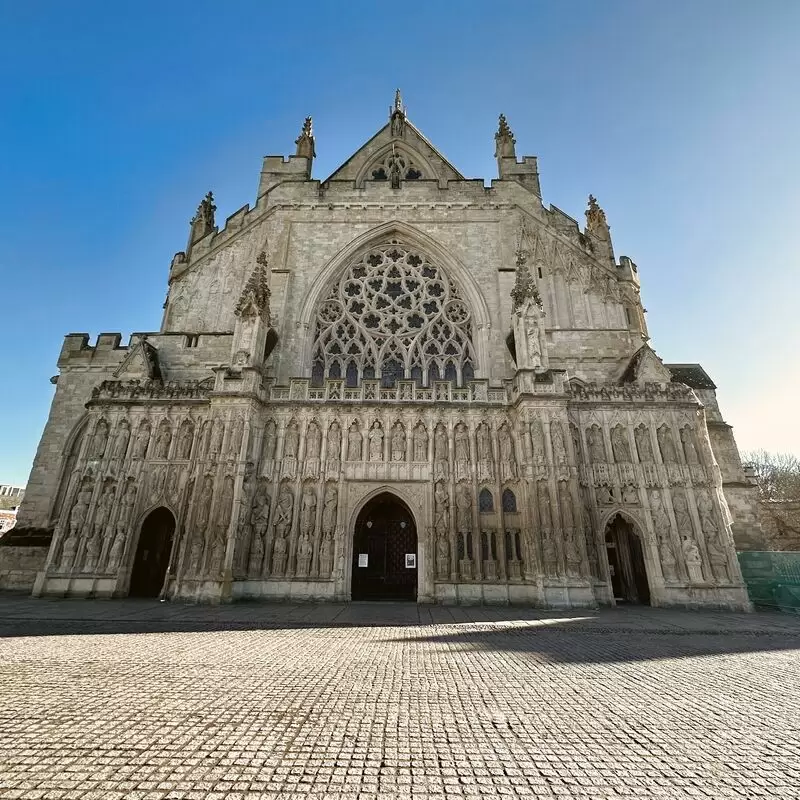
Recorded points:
(396,382)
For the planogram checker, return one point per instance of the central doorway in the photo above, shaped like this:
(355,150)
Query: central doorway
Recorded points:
(385,551)
(626,563)
(152,554)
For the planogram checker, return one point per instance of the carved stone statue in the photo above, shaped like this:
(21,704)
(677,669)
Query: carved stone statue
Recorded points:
(279,555)
(575,434)
(716,553)
(99,440)
(630,495)
(691,555)
(666,445)
(442,556)
(354,442)
(217,435)
(644,446)
(304,553)
(398,442)
(668,561)
(689,446)
(313,441)
(195,558)
(539,453)
(567,516)
(292,441)
(77,516)
(376,442)
(557,437)
(121,440)
(463,510)
(142,440)
(163,440)
(235,440)
(270,437)
(102,513)
(284,512)
(619,444)
(440,453)
(597,447)
(68,552)
(326,556)
(508,461)
(549,552)
(334,452)
(420,443)
(545,517)
(225,508)
(572,553)
(683,519)
(462,451)
(441,504)
(185,439)
(204,506)
(308,511)
(255,562)
(484,443)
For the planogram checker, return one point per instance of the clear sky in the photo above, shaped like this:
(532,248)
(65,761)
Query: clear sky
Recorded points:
(681,117)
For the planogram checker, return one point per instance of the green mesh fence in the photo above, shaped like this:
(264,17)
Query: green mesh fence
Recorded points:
(773,579)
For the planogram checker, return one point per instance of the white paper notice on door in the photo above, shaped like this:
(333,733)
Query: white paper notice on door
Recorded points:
(363,559)
(411,560)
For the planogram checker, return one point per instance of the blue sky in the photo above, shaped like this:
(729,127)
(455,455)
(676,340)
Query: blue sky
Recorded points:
(681,117)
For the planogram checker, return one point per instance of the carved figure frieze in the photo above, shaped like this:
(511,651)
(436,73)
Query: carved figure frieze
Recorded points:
(539,453)
(329,509)
(689,445)
(152,389)
(463,509)
(204,504)
(270,440)
(484,452)
(217,436)
(304,552)
(236,435)
(185,440)
(557,440)
(326,555)
(692,559)
(334,446)
(283,525)
(508,459)
(644,445)
(441,504)
(308,510)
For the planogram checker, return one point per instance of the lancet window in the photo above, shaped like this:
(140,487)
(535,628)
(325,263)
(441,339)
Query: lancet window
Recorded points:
(392,315)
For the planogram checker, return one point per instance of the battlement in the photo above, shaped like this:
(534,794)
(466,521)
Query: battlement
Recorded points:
(278,169)
(628,271)
(525,172)
(77,350)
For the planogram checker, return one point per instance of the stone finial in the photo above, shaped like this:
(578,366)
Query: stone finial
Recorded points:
(305,141)
(596,219)
(203,221)
(525,289)
(397,115)
(504,140)
(254,300)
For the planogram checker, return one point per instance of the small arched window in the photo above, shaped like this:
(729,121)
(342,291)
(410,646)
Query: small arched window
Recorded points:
(509,501)
(485,500)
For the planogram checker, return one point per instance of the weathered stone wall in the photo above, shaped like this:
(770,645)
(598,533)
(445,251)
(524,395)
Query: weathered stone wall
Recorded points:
(780,521)
(19,566)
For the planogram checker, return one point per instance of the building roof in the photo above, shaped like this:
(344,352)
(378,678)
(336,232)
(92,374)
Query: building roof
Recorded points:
(692,375)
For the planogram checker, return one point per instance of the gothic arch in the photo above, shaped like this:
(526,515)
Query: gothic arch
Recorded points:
(412,237)
(396,491)
(68,460)
(638,528)
(402,149)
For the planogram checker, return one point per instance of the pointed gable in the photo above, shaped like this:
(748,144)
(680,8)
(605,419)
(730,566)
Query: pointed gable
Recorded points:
(141,363)
(646,367)
(397,151)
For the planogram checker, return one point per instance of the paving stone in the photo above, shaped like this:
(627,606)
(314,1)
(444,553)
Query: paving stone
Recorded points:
(141,700)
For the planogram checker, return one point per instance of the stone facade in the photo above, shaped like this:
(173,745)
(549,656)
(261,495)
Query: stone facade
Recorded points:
(394,329)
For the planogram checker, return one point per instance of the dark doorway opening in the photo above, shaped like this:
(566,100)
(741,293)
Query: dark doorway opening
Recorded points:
(152,554)
(385,551)
(626,563)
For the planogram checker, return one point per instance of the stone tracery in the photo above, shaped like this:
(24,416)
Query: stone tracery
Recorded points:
(393,315)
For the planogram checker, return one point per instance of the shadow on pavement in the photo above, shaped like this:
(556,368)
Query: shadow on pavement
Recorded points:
(577,636)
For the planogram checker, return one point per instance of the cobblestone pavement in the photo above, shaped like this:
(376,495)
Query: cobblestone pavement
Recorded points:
(134,699)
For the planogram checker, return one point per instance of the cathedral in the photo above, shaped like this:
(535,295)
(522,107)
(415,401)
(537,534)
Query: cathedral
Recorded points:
(393,383)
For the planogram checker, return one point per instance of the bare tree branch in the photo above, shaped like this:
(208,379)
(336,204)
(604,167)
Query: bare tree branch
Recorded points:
(777,475)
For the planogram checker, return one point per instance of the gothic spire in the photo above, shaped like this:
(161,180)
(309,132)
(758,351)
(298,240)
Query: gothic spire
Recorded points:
(596,222)
(397,115)
(504,140)
(203,221)
(305,141)
(254,300)
(525,289)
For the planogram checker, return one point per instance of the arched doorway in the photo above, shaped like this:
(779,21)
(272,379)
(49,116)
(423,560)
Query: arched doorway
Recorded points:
(152,554)
(385,551)
(626,562)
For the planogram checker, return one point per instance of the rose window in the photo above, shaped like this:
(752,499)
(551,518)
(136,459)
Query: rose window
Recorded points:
(392,315)
(395,167)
